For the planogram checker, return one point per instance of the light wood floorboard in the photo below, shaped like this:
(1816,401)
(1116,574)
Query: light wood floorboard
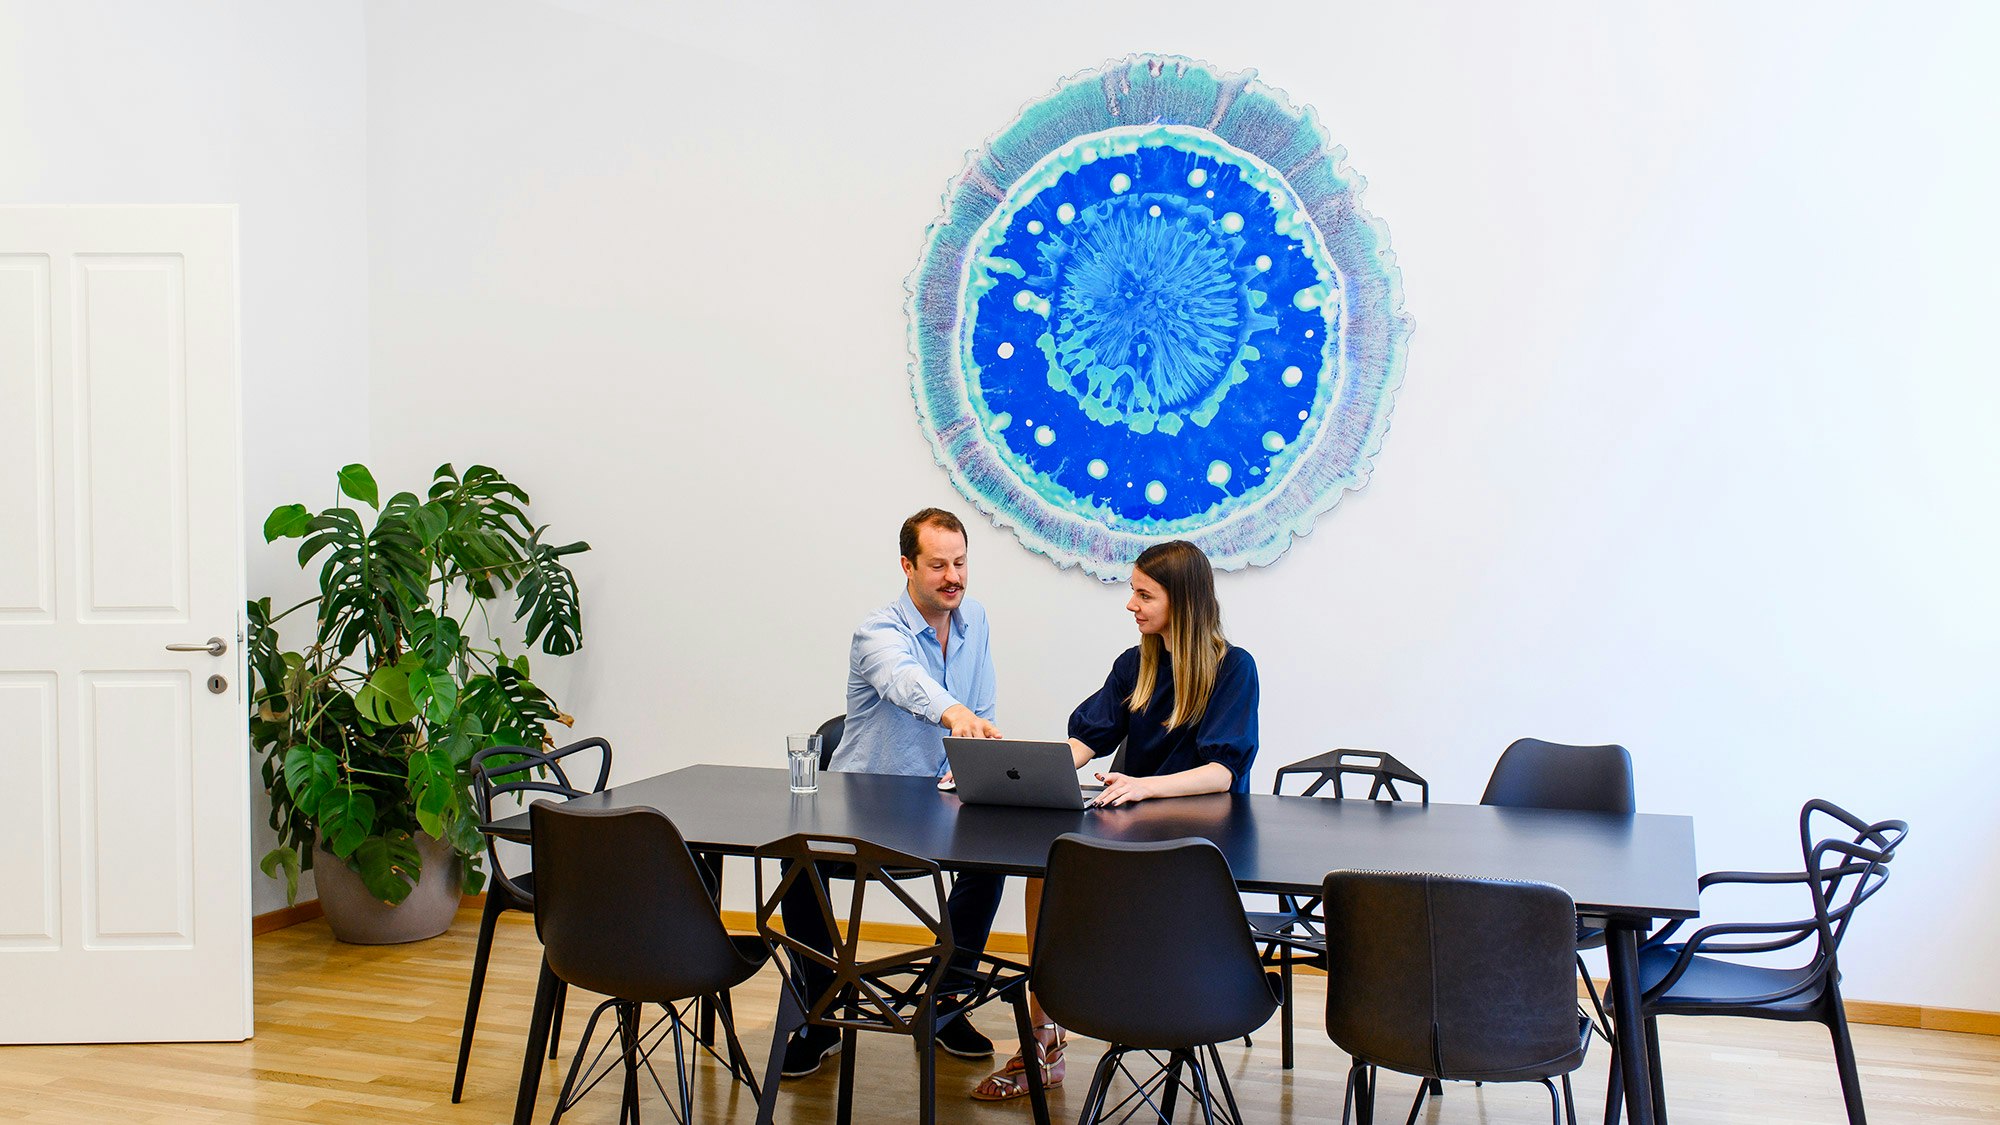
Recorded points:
(369,1034)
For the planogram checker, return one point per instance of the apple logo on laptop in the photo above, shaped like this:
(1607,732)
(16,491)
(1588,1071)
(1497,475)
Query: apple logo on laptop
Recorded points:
(1013,775)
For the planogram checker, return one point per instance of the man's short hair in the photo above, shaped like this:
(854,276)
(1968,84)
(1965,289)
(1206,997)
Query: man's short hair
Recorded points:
(931,517)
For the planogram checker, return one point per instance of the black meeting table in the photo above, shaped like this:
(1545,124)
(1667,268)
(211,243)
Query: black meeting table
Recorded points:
(1626,871)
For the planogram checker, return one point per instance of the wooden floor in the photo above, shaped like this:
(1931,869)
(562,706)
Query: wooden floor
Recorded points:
(366,1034)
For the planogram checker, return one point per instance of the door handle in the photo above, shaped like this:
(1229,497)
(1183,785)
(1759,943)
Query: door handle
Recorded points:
(214,646)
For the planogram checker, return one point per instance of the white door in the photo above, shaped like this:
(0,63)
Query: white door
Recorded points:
(124,789)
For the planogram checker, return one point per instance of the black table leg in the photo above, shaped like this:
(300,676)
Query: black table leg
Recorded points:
(711,863)
(1621,948)
(538,1045)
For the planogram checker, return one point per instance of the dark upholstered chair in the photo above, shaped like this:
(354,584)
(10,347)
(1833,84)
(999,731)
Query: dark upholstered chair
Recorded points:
(1144,945)
(523,774)
(1451,978)
(623,910)
(909,992)
(1846,863)
(1290,935)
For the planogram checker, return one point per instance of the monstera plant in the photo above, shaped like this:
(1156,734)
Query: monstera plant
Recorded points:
(365,733)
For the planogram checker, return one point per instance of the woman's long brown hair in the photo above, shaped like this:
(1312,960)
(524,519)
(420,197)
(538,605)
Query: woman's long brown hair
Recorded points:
(1194,630)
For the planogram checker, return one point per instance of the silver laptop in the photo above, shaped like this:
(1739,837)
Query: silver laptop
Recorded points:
(1012,771)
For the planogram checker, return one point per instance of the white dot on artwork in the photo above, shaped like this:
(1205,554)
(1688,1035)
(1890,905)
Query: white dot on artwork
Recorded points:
(1218,473)
(1034,226)
(1155,492)
(1121,183)
(1198,177)
(1154,210)
(1302,415)
(1044,436)
(1292,374)
(1309,333)
(1097,469)
(1065,213)
(1263,262)
(1273,440)
(1023,299)
(1006,351)
(1232,222)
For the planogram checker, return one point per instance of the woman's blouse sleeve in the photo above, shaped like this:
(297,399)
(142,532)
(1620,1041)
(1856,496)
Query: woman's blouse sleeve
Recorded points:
(1100,722)
(1227,733)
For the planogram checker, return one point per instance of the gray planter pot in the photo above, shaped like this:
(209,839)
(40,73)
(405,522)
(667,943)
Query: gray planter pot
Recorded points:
(359,917)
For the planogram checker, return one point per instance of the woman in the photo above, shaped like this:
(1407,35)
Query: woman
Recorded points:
(1184,704)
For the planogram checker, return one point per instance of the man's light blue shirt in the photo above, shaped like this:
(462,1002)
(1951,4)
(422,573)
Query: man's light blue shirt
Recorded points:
(899,685)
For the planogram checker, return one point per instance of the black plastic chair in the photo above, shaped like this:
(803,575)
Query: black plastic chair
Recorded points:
(501,771)
(910,992)
(1843,869)
(1185,973)
(622,910)
(829,738)
(1451,978)
(1291,935)
(1532,774)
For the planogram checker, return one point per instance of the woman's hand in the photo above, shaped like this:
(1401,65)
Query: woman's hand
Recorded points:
(1120,789)
(1123,789)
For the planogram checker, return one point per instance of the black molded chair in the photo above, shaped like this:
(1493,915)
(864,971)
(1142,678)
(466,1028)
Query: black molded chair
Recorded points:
(1843,869)
(501,771)
(1451,979)
(1532,774)
(622,910)
(829,738)
(910,992)
(1185,973)
(1291,935)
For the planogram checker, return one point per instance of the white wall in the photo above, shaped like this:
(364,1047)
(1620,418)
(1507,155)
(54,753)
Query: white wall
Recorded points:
(1692,454)
(257,104)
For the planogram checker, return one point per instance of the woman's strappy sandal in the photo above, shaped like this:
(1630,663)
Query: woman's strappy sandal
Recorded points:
(1011,1080)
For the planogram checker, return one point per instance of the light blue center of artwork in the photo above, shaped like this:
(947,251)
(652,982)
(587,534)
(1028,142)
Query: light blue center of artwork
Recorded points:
(1153,325)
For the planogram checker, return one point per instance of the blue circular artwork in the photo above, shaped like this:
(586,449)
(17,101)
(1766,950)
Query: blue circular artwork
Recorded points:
(1130,325)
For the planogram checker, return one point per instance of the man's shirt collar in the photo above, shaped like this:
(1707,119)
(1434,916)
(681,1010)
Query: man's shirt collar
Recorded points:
(915,620)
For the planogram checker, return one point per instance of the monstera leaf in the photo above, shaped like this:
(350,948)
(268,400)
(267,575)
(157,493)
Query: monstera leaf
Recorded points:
(488,534)
(547,597)
(510,706)
(389,865)
(370,577)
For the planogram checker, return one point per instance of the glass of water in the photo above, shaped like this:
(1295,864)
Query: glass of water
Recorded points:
(803,750)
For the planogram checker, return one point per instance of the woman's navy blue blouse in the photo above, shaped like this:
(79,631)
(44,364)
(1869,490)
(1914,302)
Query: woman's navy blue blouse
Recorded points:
(1226,733)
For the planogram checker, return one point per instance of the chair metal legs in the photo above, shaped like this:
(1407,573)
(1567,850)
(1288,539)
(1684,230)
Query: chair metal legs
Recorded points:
(1159,1090)
(1358,1102)
(637,1044)
(1559,1103)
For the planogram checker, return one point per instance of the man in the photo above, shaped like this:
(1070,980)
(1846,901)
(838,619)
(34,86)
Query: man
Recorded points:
(918,669)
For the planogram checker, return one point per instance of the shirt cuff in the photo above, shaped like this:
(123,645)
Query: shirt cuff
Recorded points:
(934,709)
